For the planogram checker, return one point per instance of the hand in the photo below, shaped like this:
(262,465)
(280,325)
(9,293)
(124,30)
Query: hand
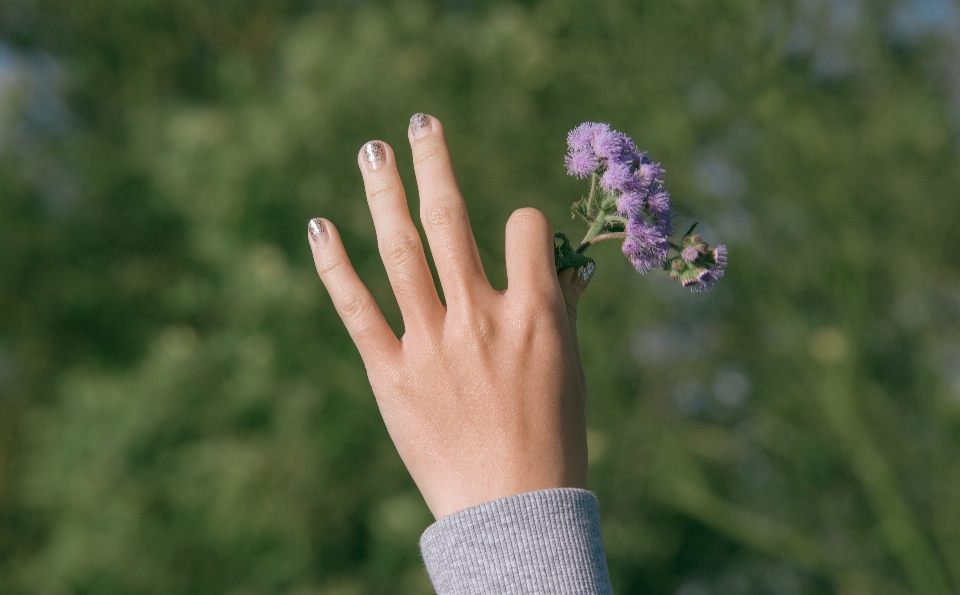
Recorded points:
(484,397)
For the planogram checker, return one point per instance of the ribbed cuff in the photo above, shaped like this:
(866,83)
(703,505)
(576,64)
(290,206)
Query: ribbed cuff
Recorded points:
(545,542)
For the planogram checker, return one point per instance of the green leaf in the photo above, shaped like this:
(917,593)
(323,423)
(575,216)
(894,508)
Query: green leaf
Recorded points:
(565,256)
(580,208)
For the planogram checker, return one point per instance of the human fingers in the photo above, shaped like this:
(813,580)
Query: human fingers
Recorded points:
(529,252)
(397,237)
(573,282)
(363,319)
(442,210)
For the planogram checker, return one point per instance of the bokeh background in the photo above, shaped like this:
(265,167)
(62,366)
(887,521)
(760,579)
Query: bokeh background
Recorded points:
(181,411)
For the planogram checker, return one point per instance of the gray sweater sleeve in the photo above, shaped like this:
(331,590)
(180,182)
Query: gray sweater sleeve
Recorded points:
(545,542)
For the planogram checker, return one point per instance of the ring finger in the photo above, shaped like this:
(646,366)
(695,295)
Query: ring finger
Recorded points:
(397,237)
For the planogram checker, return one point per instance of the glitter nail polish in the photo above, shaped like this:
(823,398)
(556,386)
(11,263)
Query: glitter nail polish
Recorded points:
(420,125)
(583,275)
(318,231)
(375,154)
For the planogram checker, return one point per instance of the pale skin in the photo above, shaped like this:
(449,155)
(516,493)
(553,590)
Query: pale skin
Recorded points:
(483,397)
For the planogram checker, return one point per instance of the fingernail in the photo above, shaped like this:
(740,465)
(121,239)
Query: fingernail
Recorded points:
(375,154)
(583,275)
(420,125)
(318,231)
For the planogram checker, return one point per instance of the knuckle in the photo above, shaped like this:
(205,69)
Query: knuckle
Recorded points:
(443,215)
(532,311)
(353,306)
(538,307)
(401,248)
(477,326)
(431,153)
(438,215)
(383,190)
(328,265)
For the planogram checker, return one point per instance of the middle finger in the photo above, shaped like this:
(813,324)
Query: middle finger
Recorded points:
(443,211)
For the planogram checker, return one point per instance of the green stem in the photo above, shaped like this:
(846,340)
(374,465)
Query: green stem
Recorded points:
(614,235)
(595,230)
(592,205)
(618,219)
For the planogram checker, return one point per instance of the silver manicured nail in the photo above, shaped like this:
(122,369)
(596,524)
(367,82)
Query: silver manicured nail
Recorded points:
(318,231)
(375,154)
(420,125)
(583,275)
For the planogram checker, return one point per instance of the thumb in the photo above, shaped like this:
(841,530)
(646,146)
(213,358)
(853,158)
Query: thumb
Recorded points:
(572,283)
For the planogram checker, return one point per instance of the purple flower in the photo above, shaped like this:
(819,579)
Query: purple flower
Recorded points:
(645,246)
(708,276)
(581,164)
(609,144)
(617,178)
(633,180)
(633,183)
(659,204)
(629,202)
(649,170)
(638,229)
(659,201)
(646,258)
(720,257)
(582,137)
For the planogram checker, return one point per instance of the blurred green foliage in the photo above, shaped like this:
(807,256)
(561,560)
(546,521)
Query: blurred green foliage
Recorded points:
(181,410)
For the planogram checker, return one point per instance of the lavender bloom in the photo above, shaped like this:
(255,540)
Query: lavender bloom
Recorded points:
(704,270)
(647,257)
(634,181)
(581,138)
(707,279)
(648,249)
(617,178)
(630,202)
(720,257)
(649,170)
(609,144)
(581,164)
(659,203)
(716,273)
(711,276)
(627,200)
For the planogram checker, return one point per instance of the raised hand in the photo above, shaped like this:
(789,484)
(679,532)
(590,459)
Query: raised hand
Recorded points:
(483,397)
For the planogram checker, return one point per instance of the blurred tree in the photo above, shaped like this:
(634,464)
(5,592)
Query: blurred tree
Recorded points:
(182,411)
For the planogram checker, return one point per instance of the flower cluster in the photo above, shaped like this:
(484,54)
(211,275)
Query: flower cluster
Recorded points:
(698,267)
(627,201)
(635,182)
